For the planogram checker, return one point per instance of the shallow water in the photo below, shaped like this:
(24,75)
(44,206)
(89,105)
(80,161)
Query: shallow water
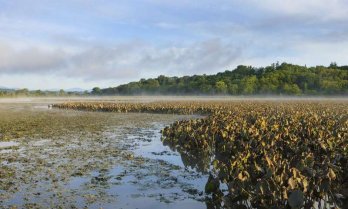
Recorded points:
(8,144)
(106,160)
(71,159)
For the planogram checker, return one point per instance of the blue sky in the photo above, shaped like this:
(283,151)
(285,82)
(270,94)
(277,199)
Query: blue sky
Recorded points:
(85,43)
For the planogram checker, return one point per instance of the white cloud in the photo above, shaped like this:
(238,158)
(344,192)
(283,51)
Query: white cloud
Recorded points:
(30,60)
(92,41)
(320,9)
(135,60)
(122,61)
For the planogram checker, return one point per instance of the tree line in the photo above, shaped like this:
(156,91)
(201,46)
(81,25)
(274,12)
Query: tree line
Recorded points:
(38,93)
(276,79)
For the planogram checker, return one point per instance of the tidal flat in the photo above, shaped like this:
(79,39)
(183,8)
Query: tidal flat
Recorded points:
(54,158)
(182,153)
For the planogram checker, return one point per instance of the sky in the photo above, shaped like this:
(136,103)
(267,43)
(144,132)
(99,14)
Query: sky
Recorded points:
(46,44)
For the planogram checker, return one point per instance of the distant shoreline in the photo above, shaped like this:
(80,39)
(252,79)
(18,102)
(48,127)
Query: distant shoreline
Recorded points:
(151,98)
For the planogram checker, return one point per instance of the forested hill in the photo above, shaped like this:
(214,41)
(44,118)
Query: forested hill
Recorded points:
(277,79)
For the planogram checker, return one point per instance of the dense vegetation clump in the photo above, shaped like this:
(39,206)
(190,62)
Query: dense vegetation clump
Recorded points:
(272,155)
(158,107)
(284,79)
(279,154)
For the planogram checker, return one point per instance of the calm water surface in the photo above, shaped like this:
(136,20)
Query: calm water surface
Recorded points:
(120,164)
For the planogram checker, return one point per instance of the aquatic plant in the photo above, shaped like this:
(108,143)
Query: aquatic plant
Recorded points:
(279,154)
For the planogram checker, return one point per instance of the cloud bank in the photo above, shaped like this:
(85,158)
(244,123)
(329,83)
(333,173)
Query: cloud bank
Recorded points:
(123,61)
(121,41)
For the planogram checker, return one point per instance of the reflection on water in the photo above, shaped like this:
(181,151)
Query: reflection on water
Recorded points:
(122,164)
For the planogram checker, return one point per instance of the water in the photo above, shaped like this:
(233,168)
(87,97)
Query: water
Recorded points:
(8,144)
(121,164)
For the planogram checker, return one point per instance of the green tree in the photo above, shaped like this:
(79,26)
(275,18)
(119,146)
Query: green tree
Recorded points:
(233,89)
(61,92)
(96,91)
(249,85)
(38,93)
(22,92)
(291,89)
(221,87)
(151,85)
(274,79)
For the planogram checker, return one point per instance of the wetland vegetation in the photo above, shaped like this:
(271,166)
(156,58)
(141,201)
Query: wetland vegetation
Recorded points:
(175,154)
(288,154)
(152,104)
